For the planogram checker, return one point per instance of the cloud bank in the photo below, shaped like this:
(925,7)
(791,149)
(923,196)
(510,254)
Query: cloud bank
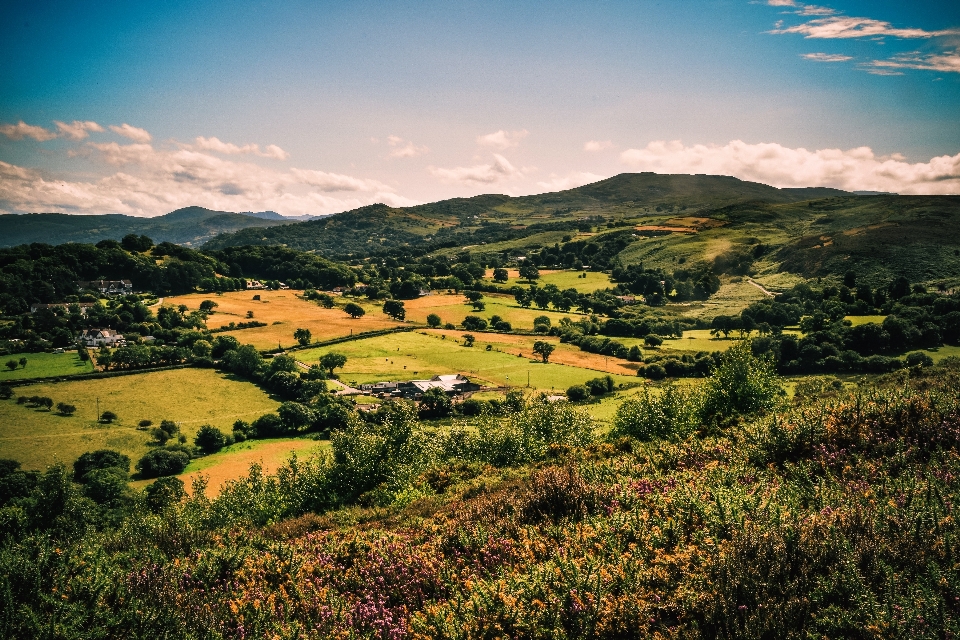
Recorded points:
(502,140)
(145,180)
(852,170)
(497,171)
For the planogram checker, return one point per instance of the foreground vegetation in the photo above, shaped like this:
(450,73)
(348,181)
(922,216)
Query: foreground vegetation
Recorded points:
(732,515)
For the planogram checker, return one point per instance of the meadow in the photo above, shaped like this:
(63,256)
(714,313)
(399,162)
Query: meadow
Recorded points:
(454,308)
(44,365)
(424,354)
(284,312)
(564,279)
(191,397)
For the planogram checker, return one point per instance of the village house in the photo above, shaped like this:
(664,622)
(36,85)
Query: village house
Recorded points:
(454,385)
(108,287)
(255,284)
(101,338)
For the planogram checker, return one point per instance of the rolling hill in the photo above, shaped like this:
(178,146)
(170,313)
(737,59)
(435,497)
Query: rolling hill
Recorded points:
(190,226)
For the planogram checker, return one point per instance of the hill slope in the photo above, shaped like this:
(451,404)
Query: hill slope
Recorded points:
(190,226)
(627,195)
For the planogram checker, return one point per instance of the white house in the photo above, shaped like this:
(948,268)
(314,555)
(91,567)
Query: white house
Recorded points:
(101,338)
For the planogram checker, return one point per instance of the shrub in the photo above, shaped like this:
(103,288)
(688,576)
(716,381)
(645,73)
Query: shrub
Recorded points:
(503,326)
(210,439)
(652,372)
(65,409)
(578,393)
(99,459)
(742,385)
(5,392)
(108,417)
(474,323)
(600,386)
(162,462)
(653,340)
(635,355)
(648,415)
(468,339)
(164,493)
(267,425)
(919,359)
(472,407)
(105,486)
(433,320)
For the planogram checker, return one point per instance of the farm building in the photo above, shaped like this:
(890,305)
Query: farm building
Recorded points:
(106,286)
(454,384)
(101,338)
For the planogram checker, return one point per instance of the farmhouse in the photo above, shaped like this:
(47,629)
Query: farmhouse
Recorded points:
(106,286)
(101,338)
(453,385)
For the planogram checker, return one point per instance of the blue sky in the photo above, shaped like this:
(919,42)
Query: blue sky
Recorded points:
(318,107)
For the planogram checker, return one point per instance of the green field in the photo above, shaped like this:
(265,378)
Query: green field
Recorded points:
(567,279)
(858,320)
(454,308)
(416,356)
(192,397)
(44,365)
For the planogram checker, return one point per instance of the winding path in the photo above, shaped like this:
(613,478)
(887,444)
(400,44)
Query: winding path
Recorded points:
(760,286)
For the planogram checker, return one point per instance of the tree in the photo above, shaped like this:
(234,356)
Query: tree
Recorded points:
(162,462)
(468,339)
(578,393)
(635,354)
(302,336)
(473,323)
(394,309)
(296,416)
(473,296)
(108,417)
(479,305)
(210,439)
(99,459)
(435,403)
(159,436)
(528,271)
(105,486)
(207,306)
(434,320)
(541,324)
(163,493)
(65,409)
(332,360)
(325,300)
(12,364)
(653,340)
(354,310)
(543,349)
(500,275)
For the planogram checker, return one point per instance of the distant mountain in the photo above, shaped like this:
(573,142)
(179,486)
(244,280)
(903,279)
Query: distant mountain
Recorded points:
(273,215)
(190,226)
(378,227)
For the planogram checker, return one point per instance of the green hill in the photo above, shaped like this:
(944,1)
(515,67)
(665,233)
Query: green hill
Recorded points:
(190,226)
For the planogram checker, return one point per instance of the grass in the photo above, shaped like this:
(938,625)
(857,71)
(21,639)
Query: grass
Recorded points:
(454,308)
(45,365)
(192,397)
(858,320)
(566,279)
(284,313)
(735,295)
(425,354)
(233,462)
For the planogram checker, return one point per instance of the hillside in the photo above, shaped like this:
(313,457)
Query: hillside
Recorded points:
(490,218)
(190,226)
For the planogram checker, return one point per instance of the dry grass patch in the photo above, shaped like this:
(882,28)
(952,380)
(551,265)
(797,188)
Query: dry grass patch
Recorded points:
(284,312)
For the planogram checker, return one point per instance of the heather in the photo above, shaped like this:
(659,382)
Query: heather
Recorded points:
(827,516)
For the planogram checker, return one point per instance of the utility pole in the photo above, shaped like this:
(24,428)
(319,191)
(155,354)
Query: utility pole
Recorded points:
(528,378)
(98,408)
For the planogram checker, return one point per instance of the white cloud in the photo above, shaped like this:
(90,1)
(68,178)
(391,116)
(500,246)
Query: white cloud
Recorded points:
(134,133)
(140,179)
(597,145)
(843,27)
(826,57)
(570,181)
(497,171)
(228,148)
(23,130)
(948,62)
(502,139)
(404,148)
(77,130)
(854,169)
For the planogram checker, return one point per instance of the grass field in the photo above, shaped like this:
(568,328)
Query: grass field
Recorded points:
(44,365)
(858,320)
(732,298)
(416,355)
(566,279)
(192,397)
(234,462)
(454,308)
(284,313)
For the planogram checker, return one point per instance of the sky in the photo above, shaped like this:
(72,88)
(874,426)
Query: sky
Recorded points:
(317,107)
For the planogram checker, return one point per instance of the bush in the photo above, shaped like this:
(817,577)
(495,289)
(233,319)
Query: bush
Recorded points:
(433,320)
(675,412)
(473,323)
(108,417)
(503,326)
(99,459)
(164,493)
(472,407)
(105,486)
(65,409)
(919,359)
(267,425)
(742,385)
(162,462)
(578,393)
(600,386)
(653,340)
(635,355)
(210,439)
(652,372)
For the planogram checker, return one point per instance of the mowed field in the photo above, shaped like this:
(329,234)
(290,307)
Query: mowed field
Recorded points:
(192,397)
(419,355)
(454,308)
(565,279)
(234,462)
(284,313)
(44,365)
